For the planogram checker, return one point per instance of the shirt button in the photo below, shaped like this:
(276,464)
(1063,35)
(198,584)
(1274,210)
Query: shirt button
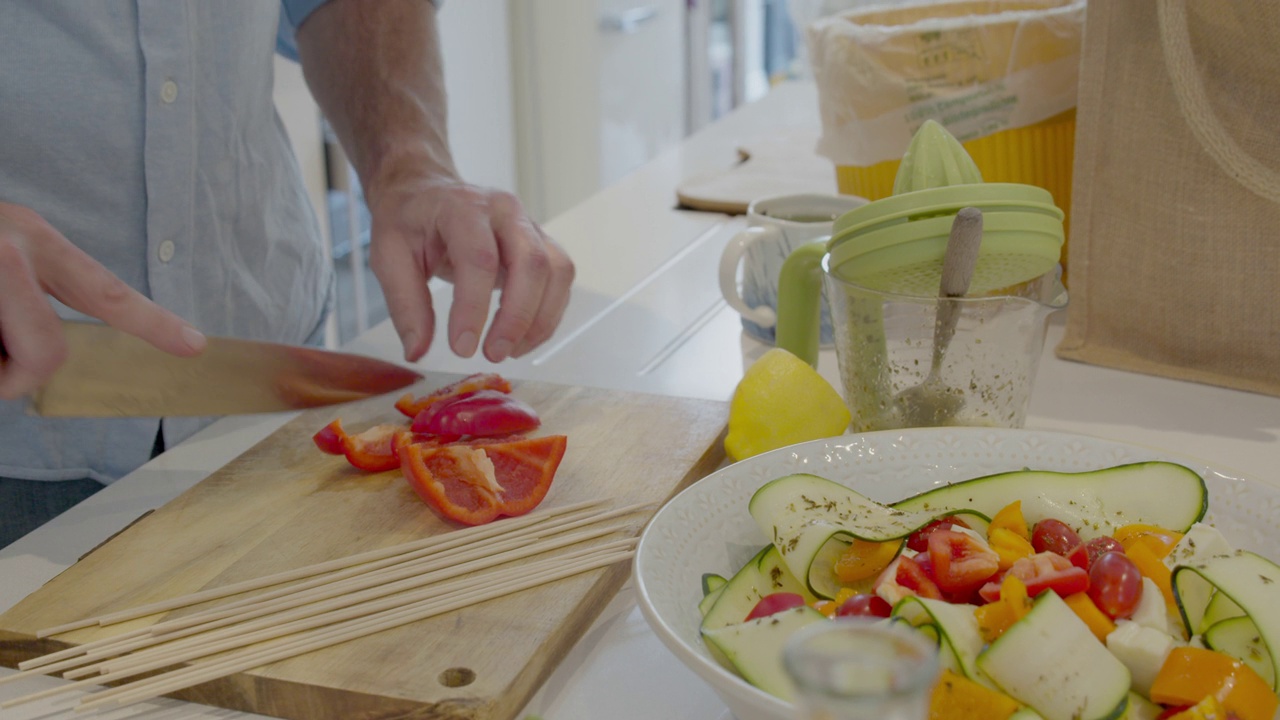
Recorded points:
(166,251)
(169,91)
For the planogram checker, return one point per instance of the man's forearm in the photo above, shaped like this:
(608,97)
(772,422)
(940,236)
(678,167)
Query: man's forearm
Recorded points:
(375,69)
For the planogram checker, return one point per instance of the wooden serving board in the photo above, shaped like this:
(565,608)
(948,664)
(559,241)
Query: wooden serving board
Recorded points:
(283,504)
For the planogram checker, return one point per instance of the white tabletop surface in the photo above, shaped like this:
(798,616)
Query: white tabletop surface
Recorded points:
(647,315)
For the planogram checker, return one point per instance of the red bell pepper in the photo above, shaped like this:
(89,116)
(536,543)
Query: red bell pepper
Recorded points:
(484,413)
(475,483)
(411,406)
(369,450)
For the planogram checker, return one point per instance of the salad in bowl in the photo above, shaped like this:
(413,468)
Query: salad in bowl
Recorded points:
(1060,576)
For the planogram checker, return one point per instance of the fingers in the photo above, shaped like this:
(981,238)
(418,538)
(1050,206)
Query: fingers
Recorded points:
(83,284)
(36,261)
(481,241)
(30,332)
(538,276)
(402,272)
(476,260)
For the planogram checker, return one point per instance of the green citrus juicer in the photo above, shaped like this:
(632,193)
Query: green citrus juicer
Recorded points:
(882,271)
(896,244)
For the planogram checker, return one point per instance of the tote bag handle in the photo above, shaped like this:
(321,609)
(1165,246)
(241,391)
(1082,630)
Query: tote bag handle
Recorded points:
(1193,100)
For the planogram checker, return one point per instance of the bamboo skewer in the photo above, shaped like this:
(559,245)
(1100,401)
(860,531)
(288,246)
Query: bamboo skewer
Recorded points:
(491,584)
(453,539)
(187,677)
(574,516)
(343,596)
(467,588)
(385,571)
(312,603)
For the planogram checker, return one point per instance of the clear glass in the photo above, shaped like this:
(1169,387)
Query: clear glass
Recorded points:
(884,346)
(859,669)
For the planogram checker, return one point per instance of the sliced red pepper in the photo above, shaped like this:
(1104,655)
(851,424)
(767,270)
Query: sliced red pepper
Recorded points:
(371,450)
(411,406)
(475,483)
(484,413)
(330,437)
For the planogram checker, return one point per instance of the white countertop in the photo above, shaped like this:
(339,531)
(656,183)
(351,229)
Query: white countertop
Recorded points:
(647,315)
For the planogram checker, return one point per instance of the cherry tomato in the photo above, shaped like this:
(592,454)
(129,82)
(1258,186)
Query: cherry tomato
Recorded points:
(961,564)
(1099,546)
(1054,536)
(774,603)
(1115,585)
(919,540)
(865,605)
(915,575)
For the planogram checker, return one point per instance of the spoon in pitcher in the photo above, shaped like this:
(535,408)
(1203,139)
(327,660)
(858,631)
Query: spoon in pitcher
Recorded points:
(932,402)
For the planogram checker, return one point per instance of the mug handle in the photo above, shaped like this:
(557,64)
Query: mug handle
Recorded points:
(763,316)
(800,302)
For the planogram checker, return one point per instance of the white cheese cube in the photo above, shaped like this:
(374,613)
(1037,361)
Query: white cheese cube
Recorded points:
(1201,541)
(1142,649)
(1152,611)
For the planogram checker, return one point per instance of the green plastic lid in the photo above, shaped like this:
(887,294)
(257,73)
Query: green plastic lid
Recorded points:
(897,244)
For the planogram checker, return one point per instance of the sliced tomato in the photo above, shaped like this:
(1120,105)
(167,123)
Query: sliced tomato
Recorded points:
(1040,572)
(919,540)
(914,576)
(961,564)
(410,406)
(774,603)
(473,483)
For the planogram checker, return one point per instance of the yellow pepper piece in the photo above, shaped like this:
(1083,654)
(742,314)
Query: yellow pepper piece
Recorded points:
(826,607)
(1160,540)
(956,697)
(1085,609)
(1010,518)
(1151,566)
(1009,546)
(781,400)
(1207,709)
(864,559)
(996,617)
(1190,674)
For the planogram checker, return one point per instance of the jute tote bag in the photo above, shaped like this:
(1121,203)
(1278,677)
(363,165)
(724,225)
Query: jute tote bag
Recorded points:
(1175,228)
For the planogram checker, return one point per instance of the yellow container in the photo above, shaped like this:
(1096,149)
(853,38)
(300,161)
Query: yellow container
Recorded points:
(1041,154)
(1000,75)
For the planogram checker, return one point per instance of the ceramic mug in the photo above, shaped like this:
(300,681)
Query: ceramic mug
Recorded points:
(777,226)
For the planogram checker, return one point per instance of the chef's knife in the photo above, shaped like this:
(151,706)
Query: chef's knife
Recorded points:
(109,373)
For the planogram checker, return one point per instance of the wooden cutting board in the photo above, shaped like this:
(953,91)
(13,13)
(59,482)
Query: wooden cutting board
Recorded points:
(283,504)
(781,164)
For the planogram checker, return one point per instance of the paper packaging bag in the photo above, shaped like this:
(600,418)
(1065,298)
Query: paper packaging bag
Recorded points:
(1000,75)
(1175,243)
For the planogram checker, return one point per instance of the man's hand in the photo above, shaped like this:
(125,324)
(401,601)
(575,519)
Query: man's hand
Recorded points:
(375,70)
(36,261)
(481,241)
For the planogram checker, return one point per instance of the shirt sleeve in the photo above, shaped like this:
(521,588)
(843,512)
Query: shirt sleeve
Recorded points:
(292,14)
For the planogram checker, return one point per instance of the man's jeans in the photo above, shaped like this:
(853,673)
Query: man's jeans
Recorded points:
(27,504)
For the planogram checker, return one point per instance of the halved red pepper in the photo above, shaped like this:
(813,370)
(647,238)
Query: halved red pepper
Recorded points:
(410,406)
(484,413)
(369,450)
(475,483)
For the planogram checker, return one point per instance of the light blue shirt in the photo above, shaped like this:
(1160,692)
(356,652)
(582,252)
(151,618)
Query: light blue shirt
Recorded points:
(144,130)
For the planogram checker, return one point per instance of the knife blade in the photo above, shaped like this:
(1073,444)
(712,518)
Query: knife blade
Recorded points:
(109,373)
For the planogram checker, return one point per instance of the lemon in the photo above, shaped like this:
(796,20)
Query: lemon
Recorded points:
(781,400)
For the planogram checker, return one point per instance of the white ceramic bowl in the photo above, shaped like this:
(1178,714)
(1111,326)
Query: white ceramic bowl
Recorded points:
(706,528)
